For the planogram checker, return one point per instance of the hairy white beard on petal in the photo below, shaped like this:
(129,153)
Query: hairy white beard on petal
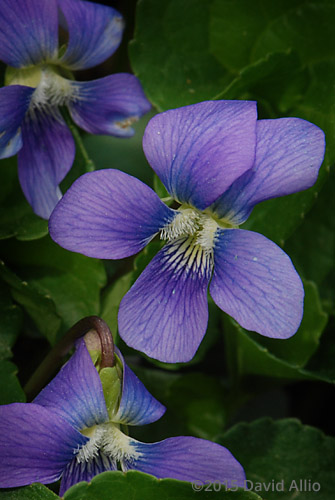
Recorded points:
(118,445)
(185,223)
(52,91)
(107,439)
(91,449)
(199,228)
(206,237)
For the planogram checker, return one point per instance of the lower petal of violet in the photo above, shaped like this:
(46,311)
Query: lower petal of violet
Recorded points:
(85,470)
(35,444)
(165,313)
(109,105)
(255,282)
(44,160)
(188,459)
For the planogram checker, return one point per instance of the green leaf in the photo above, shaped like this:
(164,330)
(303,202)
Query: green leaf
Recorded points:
(280,454)
(321,365)
(16,216)
(278,218)
(38,305)
(111,299)
(10,388)
(32,492)
(69,282)
(199,401)
(258,355)
(236,26)
(275,78)
(312,246)
(243,34)
(171,55)
(138,486)
(161,190)
(145,256)
(298,349)
(196,404)
(10,322)
(120,153)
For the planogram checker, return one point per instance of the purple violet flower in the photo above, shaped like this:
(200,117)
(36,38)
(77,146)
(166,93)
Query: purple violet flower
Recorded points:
(72,431)
(39,81)
(217,161)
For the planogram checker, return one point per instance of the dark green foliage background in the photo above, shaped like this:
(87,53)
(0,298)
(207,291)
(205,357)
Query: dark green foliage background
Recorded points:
(268,401)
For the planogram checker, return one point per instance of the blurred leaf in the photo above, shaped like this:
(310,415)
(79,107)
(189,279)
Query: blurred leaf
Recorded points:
(138,486)
(298,349)
(112,298)
(70,282)
(10,388)
(16,216)
(199,401)
(312,246)
(32,492)
(124,154)
(10,322)
(286,359)
(282,453)
(278,218)
(276,78)
(171,56)
(37,304)
(162,192)
(321,365)
(196,404)
(242,32)
(145,256)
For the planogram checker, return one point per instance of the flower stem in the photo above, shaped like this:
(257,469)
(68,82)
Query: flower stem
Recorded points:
(89,164)
(55,357)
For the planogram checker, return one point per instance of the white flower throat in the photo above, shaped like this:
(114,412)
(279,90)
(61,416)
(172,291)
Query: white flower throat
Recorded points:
(109,440)
(200,229)
(51,89)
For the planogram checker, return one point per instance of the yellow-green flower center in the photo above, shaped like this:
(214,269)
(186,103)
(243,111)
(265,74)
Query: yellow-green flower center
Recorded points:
(199,227)
(51,88)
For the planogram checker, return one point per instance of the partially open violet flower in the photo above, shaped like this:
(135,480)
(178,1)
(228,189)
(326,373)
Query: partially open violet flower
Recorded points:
(39,81)
(217,161)
(73,431)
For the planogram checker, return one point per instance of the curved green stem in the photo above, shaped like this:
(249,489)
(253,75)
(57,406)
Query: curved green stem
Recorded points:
(55,357)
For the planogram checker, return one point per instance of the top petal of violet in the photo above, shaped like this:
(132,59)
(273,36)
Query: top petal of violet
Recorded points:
(29,32)
(95,32)
(198,151)
(289,153)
